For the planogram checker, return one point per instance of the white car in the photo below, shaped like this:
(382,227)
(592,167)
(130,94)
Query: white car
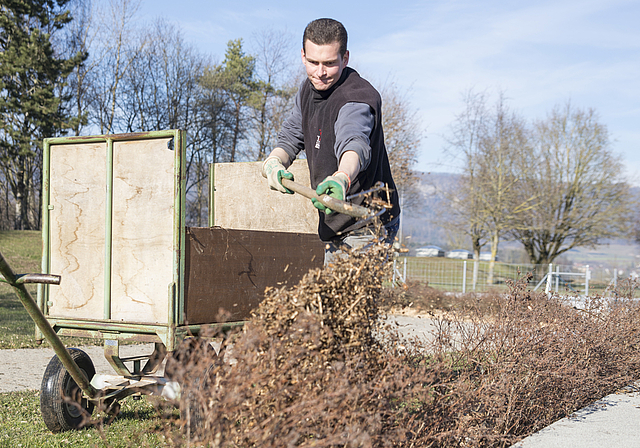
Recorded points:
(486,256)
(460,254)
(430,251)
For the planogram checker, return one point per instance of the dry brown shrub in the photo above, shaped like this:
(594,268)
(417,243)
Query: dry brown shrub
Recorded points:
(317,367)
(418,297)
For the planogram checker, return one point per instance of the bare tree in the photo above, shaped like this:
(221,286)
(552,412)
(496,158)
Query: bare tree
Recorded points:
(276,87)
(402,136)
(583,198)
(465,202)
(79,37)
(499,173)
(492,143)
(118,46)
(160,88)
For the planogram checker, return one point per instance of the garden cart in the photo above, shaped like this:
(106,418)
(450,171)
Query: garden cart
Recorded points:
(120,265)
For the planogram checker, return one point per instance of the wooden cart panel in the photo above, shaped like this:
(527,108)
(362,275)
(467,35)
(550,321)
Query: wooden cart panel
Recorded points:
(77,210)
(142,230)
(242,200)
(230,269)
(143,206)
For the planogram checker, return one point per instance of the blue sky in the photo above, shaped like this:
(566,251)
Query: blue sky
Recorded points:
(539,53)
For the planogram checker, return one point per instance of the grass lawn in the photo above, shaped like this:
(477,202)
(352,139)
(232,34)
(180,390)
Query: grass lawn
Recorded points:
(138,425)
(22,249)
(23,252)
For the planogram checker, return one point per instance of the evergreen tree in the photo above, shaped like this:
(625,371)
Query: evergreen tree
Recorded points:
(31,75)
(234,82)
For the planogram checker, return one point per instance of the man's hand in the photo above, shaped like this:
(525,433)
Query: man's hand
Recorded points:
(337,185)
(274,171)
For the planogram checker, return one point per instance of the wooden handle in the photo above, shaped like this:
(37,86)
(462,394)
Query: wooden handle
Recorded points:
(357,211)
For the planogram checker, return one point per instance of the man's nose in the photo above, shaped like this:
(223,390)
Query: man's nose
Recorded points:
(322,70)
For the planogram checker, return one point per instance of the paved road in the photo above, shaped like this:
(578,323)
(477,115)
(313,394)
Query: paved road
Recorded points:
(613,422)
(22,369)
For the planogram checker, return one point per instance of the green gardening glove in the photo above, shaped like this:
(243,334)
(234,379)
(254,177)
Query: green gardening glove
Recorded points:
(337,185)
(274,171)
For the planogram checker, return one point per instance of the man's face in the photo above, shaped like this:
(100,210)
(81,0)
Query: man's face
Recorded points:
(324,63)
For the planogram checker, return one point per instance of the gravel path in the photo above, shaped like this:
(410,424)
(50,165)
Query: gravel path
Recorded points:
(22,369)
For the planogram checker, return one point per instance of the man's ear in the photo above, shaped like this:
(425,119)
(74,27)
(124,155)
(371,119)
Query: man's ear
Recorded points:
(345,58)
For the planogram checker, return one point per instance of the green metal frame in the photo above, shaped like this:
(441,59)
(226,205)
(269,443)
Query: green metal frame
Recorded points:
(166,337)
(169,333)
(212,195)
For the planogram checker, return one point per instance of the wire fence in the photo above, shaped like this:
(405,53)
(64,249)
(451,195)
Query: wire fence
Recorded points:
(470,275)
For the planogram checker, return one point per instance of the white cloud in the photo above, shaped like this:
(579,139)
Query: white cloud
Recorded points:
(540,54)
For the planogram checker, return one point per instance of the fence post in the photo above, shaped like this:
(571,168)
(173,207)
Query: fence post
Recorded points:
(404,271)
(396,273)
(464,277)
(393,280)
(547,288)
(557,277)
(475,273)
(587,277)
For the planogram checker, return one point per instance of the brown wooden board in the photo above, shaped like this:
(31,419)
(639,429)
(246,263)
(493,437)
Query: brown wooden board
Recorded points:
(77,229)
(230,269)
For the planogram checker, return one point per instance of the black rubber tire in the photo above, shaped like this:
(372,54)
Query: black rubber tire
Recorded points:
(62,405)
(185,366)
(192,409)
(186,358)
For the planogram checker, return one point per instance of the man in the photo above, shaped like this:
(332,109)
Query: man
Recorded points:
(337,120)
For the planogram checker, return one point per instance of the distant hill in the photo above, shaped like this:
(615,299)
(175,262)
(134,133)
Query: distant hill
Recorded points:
(425,224)
(421,221)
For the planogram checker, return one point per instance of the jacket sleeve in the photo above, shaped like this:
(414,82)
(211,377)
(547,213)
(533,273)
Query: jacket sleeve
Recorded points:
(353,129)
(291,136)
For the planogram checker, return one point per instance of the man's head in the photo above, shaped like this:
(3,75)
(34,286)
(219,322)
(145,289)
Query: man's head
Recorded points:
(324,52)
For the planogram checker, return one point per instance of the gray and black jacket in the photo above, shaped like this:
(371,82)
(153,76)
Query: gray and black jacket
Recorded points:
(325,124)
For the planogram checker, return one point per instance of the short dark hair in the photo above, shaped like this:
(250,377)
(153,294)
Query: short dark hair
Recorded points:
(325,32)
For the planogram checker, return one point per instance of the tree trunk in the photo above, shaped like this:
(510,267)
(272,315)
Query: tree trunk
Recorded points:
(22,196)
(4,207)
(236,134)
(34,202)
(495,240)
(201,195)
(475,243)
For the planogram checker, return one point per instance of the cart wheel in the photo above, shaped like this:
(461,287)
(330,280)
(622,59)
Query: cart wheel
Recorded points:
(187,366)
(191,352)
(61,402)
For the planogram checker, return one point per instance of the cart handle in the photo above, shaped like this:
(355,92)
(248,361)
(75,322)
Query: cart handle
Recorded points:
(17,282)
(49,279)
